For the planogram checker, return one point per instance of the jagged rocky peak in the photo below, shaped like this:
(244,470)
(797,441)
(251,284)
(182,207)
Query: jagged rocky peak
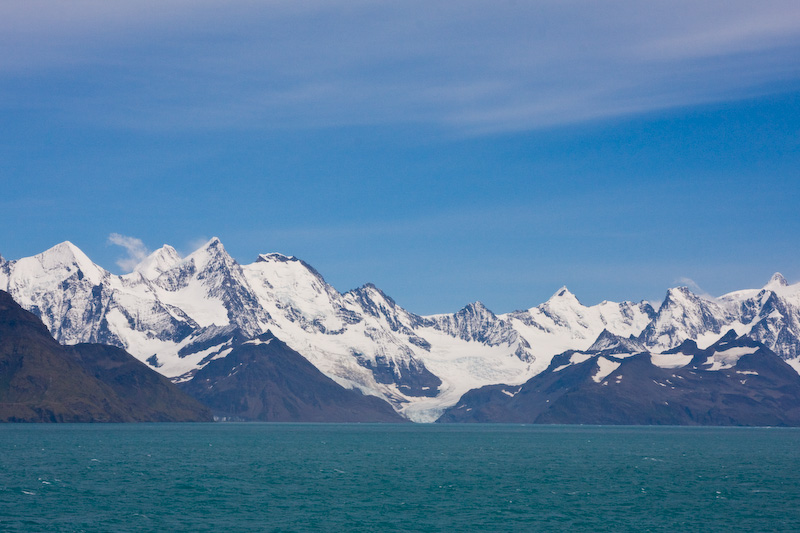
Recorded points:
(476,309)
(371,288)
(728,338)
(688,347)
(374,302)
(564,295)
(679,294)
(209,258)
(472,315)
(609,342)
(158,262)
(684,298)
(475,322)
(777,280)
(683,315)
(212,249)
(372,298)
(630,309)
(275,257)
(563,309)
(563,301)
(680,299)
(210,261)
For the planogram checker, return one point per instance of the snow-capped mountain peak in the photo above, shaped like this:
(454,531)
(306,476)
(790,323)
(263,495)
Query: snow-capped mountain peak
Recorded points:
(52,267)
(683,315)
(375,302)
(679,295)
(65,256)
(475,322)
(58,285)
(563,295)
(275,256)
(291,288)
(290,268)
(158,262)
(563,304)
(211,251)
(777,280)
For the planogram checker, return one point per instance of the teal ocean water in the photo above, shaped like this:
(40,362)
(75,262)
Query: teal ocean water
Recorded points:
(353,477)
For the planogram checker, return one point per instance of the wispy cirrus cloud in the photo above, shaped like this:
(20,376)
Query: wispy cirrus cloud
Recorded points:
(468,67)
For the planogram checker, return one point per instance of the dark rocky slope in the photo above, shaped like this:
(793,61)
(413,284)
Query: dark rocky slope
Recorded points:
(42,381)
(263,379)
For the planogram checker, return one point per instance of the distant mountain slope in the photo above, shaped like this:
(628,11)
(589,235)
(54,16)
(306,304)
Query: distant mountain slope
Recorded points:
(179,314)
(736,381)
(263,379)
(139,387)
(42,381)
(770,315)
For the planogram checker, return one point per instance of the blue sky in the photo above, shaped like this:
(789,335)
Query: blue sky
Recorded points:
(447,152)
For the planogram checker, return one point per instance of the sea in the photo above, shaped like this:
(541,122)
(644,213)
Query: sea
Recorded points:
(231,477)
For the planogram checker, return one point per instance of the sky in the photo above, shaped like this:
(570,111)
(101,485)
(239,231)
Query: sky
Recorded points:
(447,152)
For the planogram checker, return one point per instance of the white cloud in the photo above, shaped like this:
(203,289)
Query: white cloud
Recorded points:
(134,247)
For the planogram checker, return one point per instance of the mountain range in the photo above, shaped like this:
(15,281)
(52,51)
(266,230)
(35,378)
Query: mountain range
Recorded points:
(734,382)
(185,316)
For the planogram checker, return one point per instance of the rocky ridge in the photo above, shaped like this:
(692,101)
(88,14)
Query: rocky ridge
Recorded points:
(735,381)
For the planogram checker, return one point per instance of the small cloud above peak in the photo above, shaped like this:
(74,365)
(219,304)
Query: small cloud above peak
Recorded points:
(194,245)
(214,244)
(166,248)
(135,249)
(692,285)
